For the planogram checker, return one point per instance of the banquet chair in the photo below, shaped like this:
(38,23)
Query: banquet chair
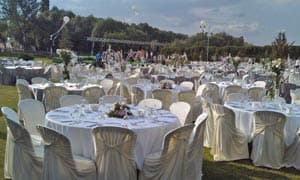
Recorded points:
(114,153)
(292,153)
(38,80)
(167,81)
(260,84)
(187,84)
(52,95)
(107,84)
(181,110)
(229,143)
(114,90)
(22,81)
(92,94)
(295,96)
(59,163)
(151,103)
(231,89)
(23,91)
(164,95)
(130,81)
(32,113)
(236,97)
(195,149)
(206,104)
(137,94)
(26,165)
(112,99)
(210,90)
(68,100)
(8,113)
(171,162)
(256,93)
(124,91)
(189,97)
(268,139)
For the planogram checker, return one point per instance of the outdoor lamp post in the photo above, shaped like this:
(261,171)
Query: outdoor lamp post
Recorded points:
(203,27)
(53,36)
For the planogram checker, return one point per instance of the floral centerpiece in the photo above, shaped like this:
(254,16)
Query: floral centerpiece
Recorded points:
(276,67)
(119,111)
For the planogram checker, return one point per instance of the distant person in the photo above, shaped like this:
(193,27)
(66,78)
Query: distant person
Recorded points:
(98,62)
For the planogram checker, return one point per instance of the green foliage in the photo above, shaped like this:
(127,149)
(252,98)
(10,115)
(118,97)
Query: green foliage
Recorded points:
(280,46)
(44,5)
(57,60)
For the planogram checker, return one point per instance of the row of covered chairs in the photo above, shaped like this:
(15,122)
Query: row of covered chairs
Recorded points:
(180,158)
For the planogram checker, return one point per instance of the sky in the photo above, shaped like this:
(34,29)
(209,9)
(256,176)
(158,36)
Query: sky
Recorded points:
(258,21)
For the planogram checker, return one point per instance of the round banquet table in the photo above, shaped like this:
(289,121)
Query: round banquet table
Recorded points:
(150,125)
(244,119)
(72,88)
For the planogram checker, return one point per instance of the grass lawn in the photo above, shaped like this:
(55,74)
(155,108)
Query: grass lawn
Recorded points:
(212,170)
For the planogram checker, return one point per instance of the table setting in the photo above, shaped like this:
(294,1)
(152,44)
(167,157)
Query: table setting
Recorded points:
(77,121)
(245,121)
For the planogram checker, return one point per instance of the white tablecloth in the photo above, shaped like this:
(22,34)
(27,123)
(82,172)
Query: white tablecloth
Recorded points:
(244,117)
(150,128)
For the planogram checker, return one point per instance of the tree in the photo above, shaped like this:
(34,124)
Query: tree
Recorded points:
(280,46)
(44,5)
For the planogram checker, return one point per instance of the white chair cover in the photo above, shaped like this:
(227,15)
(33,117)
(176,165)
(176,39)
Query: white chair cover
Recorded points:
(260,84)
(137,94)
(112,99)
(92,94)
(189,97)
(107,84)
(23,91)
(209,90)
(268,140)
(114,149)
(25,165)
(52,95)
(231,89)
(68,100)
(295,96)
(229,143)
(164,95)
(187,84)
(151,103)
(33,114)
(181,110)
(292,153)
(58,159)
(22,81)
(195,151)
(171,162)
(8,162)
(209,128)
(256,93)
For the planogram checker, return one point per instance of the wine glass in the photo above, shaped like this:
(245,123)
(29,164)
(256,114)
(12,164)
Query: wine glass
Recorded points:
(75,115)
